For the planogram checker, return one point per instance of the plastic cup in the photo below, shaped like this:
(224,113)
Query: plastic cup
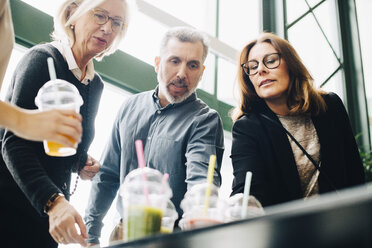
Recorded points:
(170,216)
(195,213)
(234,210)
(58,94)
(144,200)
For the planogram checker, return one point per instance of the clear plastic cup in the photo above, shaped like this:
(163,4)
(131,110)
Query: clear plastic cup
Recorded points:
(144,197)
(234,209)
(170,216)
(58,94)
(196,214)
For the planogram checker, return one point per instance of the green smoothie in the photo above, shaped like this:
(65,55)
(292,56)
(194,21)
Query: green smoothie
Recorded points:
(142,221)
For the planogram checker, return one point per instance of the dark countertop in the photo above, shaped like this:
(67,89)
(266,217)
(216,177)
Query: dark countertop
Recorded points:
(341,220)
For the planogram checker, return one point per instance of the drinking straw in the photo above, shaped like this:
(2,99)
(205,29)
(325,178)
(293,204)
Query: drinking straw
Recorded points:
(212,161)
(164,181)
(53,76)
(51,69)
(141,164)
(247,188)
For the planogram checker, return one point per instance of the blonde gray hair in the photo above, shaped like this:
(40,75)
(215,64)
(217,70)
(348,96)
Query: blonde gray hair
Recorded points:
(185,34)
(66,16)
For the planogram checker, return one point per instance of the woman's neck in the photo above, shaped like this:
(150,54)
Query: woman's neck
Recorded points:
(279,108)
(81,61)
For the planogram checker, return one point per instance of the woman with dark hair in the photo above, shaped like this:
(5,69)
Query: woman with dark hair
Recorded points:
(295,139)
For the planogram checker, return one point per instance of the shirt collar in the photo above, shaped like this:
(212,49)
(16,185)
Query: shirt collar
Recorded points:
(156,99)
(67,54)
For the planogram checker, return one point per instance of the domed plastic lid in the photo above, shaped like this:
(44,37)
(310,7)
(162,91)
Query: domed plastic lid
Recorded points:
(58,94)
(199,190)
(135,181)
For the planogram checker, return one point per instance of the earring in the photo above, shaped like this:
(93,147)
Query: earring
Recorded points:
(72,27)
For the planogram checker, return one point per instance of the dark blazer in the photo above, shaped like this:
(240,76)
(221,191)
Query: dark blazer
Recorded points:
(262,147)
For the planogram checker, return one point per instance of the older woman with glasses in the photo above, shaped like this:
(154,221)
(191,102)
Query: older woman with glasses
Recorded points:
(35,187)
(294,138)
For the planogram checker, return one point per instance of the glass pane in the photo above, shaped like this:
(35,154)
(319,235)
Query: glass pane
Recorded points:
(199,14)
(364,21)
(16,56)
(312,47)
(327,17)
(225,81)
(234,14)
(143,38)
(335,85)
(312,3)
(207,81)
(295,8)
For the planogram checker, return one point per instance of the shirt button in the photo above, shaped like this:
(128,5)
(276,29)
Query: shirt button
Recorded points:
(64,187)
(149,137)
(159,112)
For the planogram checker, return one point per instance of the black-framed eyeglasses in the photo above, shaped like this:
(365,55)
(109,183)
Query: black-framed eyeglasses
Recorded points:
(101,17)
(271,61)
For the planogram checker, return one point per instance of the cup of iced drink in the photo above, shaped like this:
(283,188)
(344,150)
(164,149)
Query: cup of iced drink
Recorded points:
(58,94)
(201,213)
(170,216)
(235,208)
(144,197)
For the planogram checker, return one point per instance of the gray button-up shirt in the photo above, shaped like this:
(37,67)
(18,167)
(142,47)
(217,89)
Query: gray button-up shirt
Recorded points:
(178,139)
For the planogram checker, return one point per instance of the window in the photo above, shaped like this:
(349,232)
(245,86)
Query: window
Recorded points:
(238,22)
(315,37)
(364,22)
(143,38)
(199,14)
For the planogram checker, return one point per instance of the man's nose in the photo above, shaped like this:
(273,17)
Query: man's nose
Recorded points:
(182,72)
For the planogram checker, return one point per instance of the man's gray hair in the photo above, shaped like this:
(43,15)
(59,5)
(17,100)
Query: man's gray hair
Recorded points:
(185,34)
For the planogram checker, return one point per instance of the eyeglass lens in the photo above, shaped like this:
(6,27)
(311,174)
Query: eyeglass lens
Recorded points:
(271,61)
(102,18)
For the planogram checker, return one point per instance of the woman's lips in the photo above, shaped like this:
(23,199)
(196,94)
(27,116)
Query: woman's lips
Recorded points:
(101,41)
(265,82)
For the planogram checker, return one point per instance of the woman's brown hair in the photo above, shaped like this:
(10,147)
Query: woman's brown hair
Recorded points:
(303,97)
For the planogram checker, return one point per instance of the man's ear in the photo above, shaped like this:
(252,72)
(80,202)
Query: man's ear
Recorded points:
(202,73)
(157,64)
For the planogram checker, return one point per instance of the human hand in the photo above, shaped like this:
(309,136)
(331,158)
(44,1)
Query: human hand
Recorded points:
(91,244)
(90,169)
(52,125)
(62,219)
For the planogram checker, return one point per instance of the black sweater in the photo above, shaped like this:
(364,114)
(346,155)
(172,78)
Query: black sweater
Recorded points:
(25,169)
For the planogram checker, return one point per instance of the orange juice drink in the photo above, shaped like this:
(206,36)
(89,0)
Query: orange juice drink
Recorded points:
(58,150)
(58,94)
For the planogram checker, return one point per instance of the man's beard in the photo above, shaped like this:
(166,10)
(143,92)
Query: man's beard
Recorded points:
(175,99)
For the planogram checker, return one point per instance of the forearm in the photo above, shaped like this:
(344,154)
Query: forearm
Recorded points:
(101,197)
(206,140)
(21,159)
(10,116)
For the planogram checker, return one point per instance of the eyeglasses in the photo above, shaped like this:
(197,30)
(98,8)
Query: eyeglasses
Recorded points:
(101,18)
(271,61)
